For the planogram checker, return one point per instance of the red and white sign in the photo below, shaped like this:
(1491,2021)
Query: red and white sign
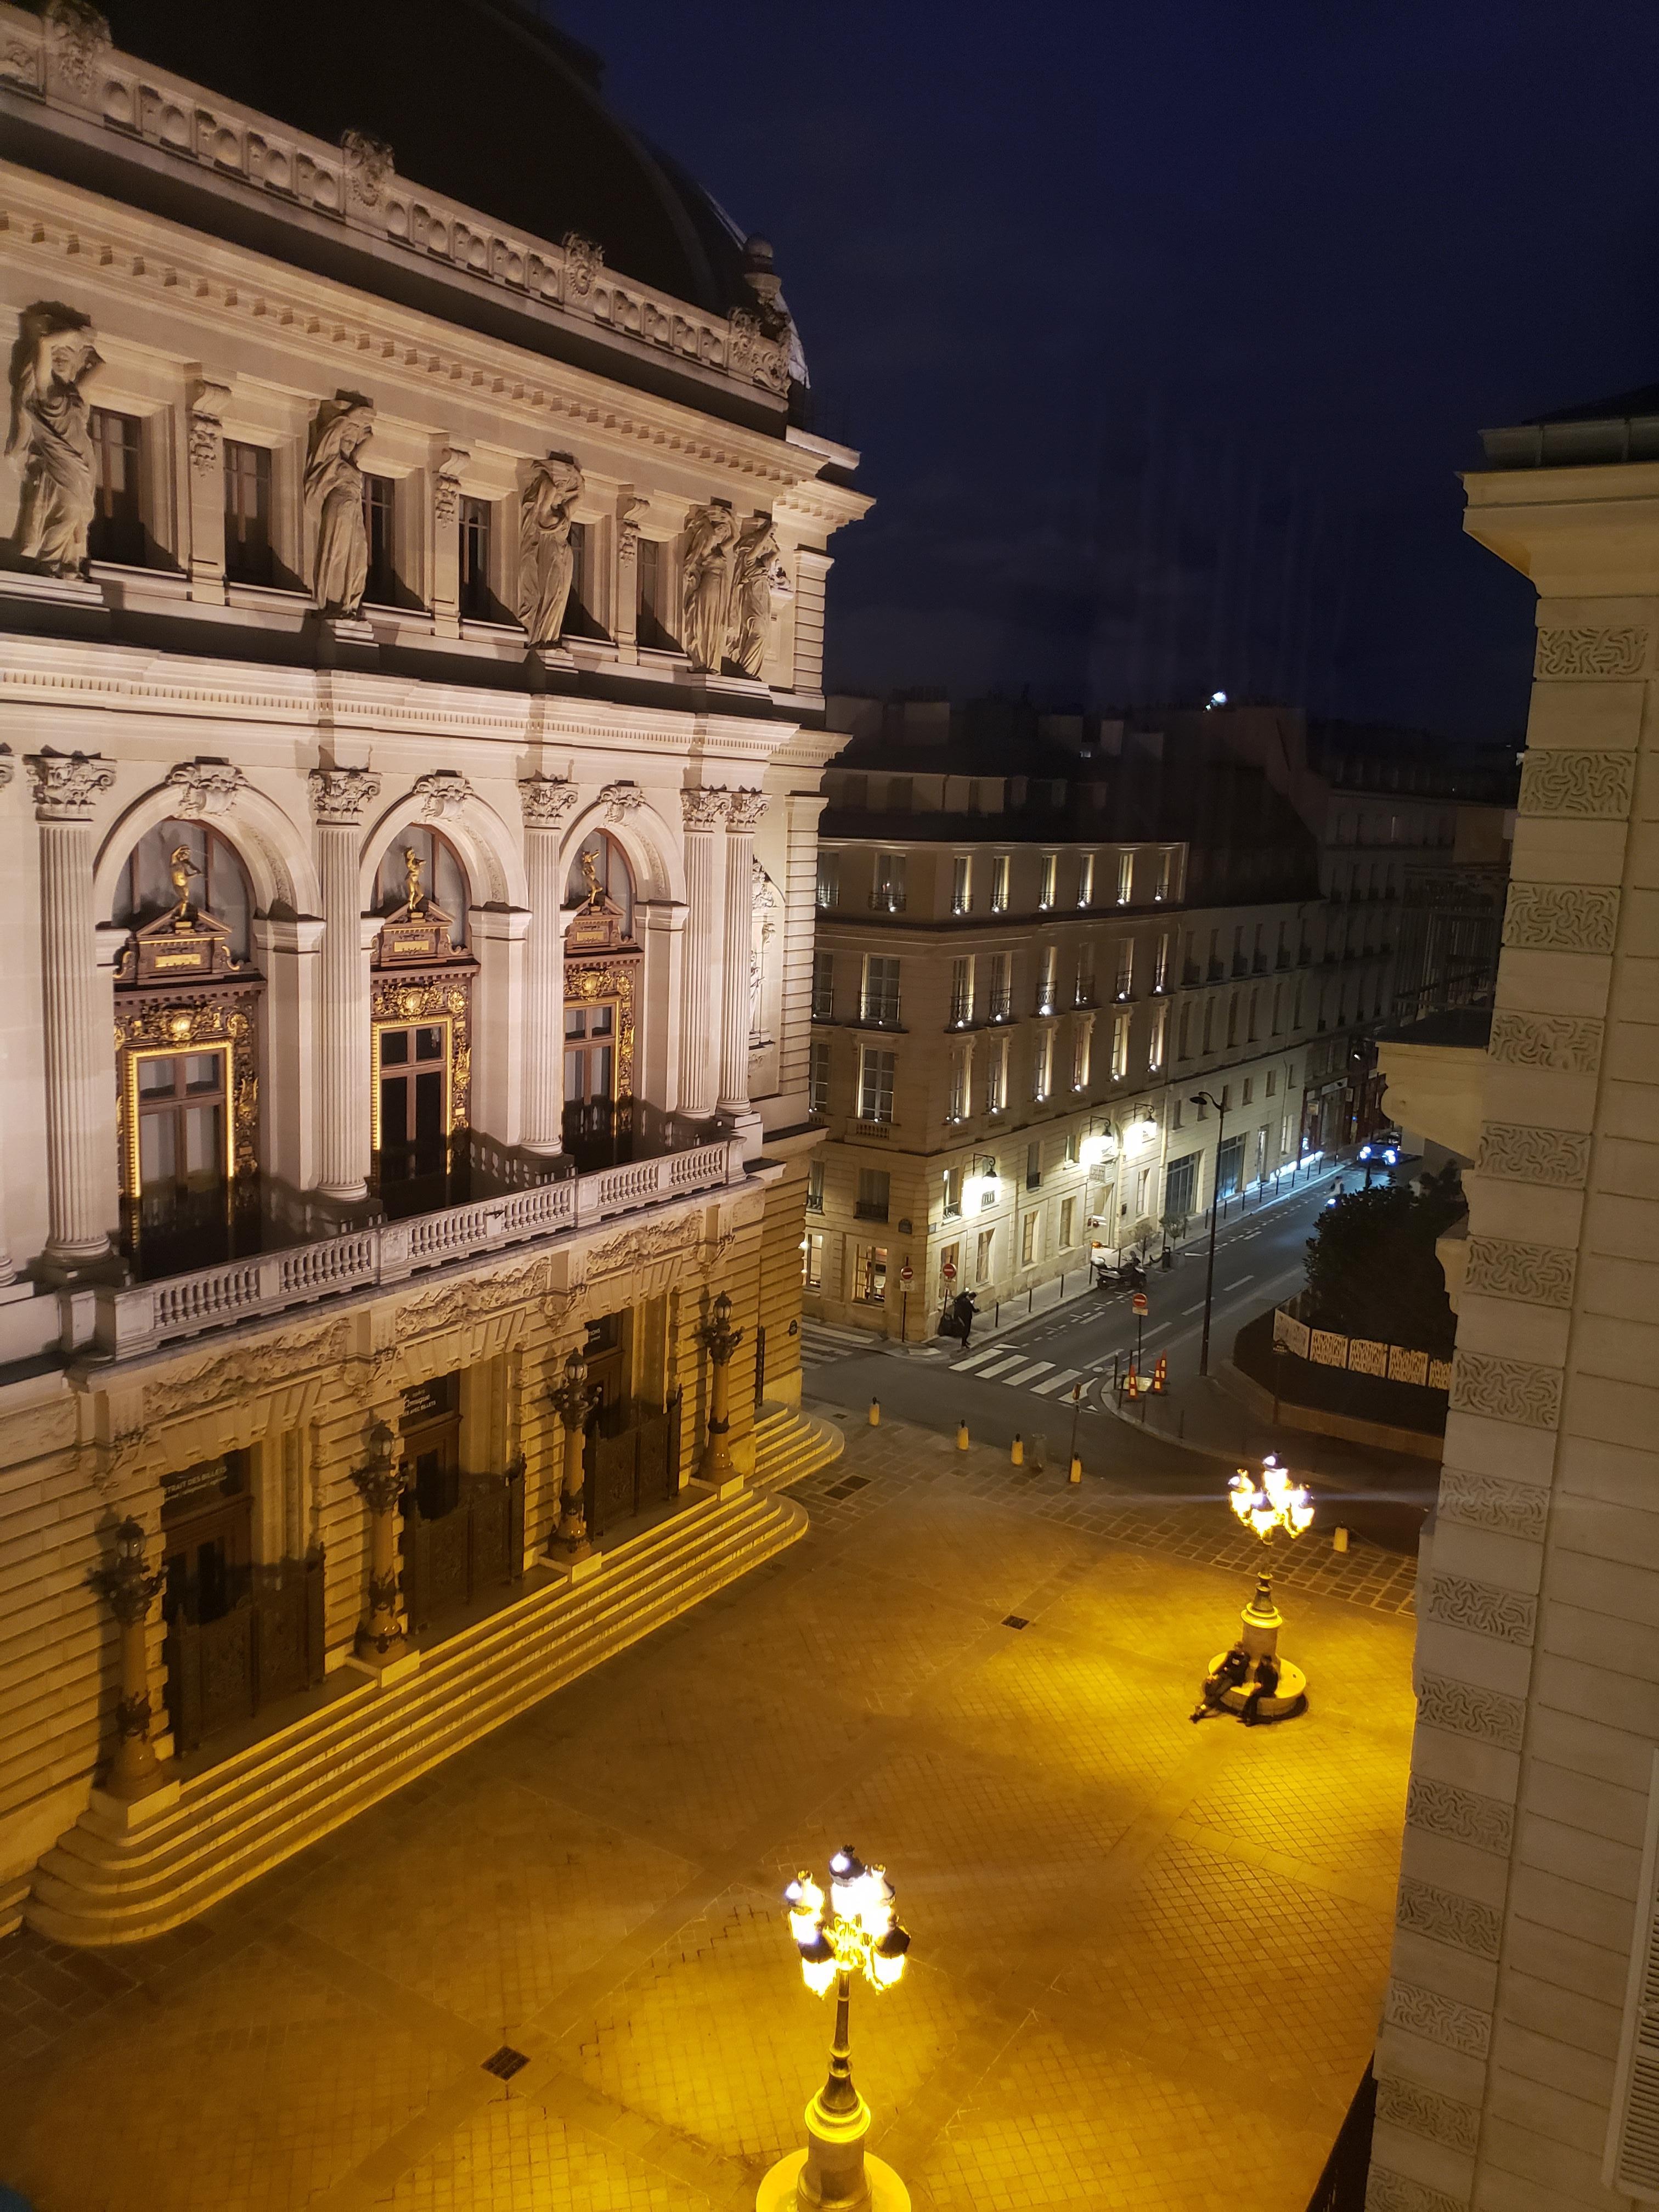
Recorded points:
(948,1269)
(906,1274)
(1137,1303)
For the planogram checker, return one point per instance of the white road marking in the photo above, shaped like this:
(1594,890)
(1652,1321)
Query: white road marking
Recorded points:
(1024,1374)
(1001,1367)
(1056,1382)
(972,1360)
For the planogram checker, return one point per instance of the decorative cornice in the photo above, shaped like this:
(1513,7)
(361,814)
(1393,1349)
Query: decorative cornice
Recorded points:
(1441,2020)
(340,796)
(1470,1708)
(205,786)
(1561,917)
(1594,786)
(1567,1044)
(445,791)
(1461,1922)
(1483,1501)
(705,809)
(1618,652)
(1405,2103)
(1534,1275)
(1462,1816)
(1484,1608)
(747,808)
(67,785)
(1519,1153)
(545,800)
(1519,1390)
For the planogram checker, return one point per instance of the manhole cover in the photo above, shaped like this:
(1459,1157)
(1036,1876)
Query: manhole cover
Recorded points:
(505,2062)
(1015,1620)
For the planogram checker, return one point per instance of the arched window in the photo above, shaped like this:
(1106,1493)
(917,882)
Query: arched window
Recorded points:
(610,872)
(442,878)
(219,884)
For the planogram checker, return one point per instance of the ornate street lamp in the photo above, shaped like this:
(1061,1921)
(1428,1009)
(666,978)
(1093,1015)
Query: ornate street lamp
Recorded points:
(719,1340)
(572,1401)
(382,1481)
(1267,1505)
(857,1933)
(129,1589)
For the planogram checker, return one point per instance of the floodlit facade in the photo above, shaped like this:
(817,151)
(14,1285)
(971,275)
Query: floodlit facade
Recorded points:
(411,727)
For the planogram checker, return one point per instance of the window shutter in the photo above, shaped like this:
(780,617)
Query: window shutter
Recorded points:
(1631,2164)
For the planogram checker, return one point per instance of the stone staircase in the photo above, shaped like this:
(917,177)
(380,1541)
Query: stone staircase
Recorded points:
(789,1445)
(120,1876)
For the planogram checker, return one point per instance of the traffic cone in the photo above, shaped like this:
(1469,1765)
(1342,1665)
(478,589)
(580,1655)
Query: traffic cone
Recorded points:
(1161,1373)
(1016,1451)
(962,1436)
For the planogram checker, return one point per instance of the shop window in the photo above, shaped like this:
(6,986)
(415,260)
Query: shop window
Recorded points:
(870,1275)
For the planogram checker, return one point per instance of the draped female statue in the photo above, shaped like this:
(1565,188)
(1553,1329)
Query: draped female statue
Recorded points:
(334,503)
(53,358)
(706,584)
(759,576)
(546,557)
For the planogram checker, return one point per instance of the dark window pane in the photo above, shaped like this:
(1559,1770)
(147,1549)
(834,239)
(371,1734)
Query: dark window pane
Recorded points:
(428,1044)
(428,1107)
(117,532)
(247,514)
(378,515)
(157,1078)
(394,1047)
(477,601)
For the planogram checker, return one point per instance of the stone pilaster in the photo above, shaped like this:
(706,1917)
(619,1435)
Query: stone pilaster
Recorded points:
(77,1047)
(546,802)
(746,810)
(206,491)
(339,797)
(705,813)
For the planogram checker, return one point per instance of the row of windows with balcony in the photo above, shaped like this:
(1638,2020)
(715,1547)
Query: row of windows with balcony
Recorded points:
(889,880)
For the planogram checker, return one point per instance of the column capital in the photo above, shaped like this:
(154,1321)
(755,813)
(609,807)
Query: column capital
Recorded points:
(340,796)
(67,785)
(621,799)
(747,808)
(705,808)
(545,800)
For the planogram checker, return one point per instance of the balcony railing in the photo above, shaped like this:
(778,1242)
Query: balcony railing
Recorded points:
(136,1320)
(887,898)
(999,1006)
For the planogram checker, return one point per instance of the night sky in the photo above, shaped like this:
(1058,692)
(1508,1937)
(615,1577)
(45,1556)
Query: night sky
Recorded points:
(1164,328)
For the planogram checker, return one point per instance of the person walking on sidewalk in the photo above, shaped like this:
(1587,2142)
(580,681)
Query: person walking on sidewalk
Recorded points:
(962,1311)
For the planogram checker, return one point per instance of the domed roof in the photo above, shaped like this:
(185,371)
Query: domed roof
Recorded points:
(476,100)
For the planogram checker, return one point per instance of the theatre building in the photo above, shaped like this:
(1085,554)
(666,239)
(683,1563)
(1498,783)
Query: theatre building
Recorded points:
(411,739)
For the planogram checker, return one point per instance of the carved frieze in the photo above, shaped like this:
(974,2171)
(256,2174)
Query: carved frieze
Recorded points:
(1518,1390)
(1442,2020)
(1469,1709)
(1463,1922)
(1593,786)
(205,786)
(251,1368)
(1485,1501)
(545,800)
(78,38)
(1484,1608)
(66,785)
(341,796)
(441,1310)
(1616,652)
(1567,1044)
(1463,1816)
(369,166)
(584,259)
(1561,917)
(705,809)
(1388,2192)
(1519,1153)
(638,1248)
(1407,2105)
(1534,1275)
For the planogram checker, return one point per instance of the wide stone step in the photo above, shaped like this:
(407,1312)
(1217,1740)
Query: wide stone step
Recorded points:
(105,1884)
(789,1445)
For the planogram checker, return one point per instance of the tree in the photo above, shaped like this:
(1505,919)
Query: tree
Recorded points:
(1372,1270)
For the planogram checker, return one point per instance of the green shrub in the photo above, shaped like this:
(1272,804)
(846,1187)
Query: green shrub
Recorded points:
(1371,1265)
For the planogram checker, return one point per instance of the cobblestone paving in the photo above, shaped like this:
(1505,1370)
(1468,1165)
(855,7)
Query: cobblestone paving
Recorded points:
(1148,1958)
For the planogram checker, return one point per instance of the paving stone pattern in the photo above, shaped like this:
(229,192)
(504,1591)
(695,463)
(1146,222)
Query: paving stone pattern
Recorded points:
(1148,1957)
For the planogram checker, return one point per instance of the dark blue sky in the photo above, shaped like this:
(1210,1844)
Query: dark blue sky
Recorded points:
(1164,327)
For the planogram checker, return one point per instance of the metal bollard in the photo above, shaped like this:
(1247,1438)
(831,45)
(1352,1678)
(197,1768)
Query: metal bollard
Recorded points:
(962,1436)
(1037,1450)
(875,1412)
(1338,1538)
(1076,1474)
(1017,1452)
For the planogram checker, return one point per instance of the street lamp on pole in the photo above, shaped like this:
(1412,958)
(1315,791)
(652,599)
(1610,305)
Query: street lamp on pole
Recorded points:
(1204,1098)
(858,1933)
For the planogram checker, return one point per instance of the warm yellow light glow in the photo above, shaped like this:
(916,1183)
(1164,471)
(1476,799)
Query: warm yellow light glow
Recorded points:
(886,1971)
(818,1973)
(1274,1502)
(1095,1148)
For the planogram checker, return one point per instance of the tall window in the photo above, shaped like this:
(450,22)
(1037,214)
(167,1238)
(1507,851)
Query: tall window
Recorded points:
(1126,877)
(950,1183)
(879,1000)
(961,1061)
(1042,1056)
(1067,1223)
(876,1071)
(1082,1044)
(888,896)
(811,1261)
(477,601)
(998,1001)
(1119,1047)
(1028,1231)
(247,514)
(1161,964)
(823,986)
(828,879)
(651,616)
(984,1248)
(1000,884)
(582,616)
(1050,870)
(1048,980)
(116,528)
(962,883)
(380,519)
(996,1077)
(817,1077)
(962,991)
(1165,874)
(1034,1166)
(1184,1036)
(1155,1049)
(1083,992)
(815,1187)
(1125,985)
(1085,879)
(875,1194)
(1232,1019)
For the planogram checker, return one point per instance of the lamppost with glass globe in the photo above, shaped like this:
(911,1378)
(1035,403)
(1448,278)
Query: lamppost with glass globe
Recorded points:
(1268,1505)
(719,1340)
(857,1933)
(572,1400)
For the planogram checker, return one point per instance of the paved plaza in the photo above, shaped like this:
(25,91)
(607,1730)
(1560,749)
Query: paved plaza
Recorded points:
(1148,1958)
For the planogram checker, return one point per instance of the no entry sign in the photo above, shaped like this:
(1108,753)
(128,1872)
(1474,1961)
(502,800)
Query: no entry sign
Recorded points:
(1137,1303)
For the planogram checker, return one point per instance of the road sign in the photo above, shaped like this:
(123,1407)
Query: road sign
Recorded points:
(906,1274)
(1137,1303)
(948,1269)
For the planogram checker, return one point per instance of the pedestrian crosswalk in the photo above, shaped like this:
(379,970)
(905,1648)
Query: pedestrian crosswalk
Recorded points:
(1039,1376)
(820,1344)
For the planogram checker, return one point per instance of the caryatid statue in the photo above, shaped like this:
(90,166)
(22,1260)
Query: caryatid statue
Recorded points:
(53,360)
(546,557)
(706,584)
(759,577)
(334,503)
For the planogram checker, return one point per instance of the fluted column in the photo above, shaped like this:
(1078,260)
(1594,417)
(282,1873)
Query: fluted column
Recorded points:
(546,801)
(339,797)
(746,810)
(79,1074)
(704,813)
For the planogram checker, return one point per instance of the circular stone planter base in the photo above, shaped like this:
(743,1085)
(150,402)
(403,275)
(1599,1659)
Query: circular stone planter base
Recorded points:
(777,2191)
(1291,1698)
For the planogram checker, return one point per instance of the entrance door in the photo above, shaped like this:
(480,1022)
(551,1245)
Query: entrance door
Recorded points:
(412,1076)
(590,1133)
(181,1192)
(436,1538)
(1229,1168)
(206,1599)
